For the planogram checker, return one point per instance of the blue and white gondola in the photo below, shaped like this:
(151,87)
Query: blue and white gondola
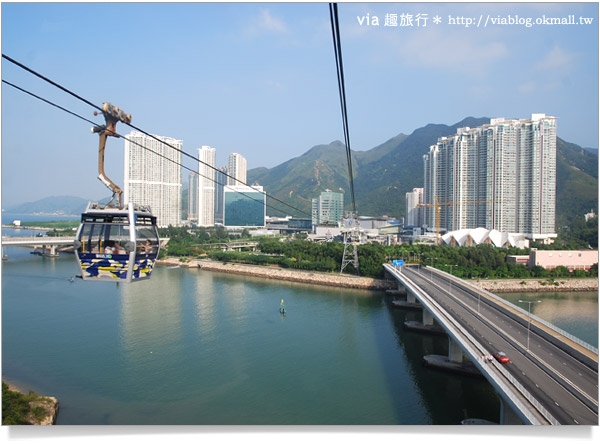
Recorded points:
(116,244)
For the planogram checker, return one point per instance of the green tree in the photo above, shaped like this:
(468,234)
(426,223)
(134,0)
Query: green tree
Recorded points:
(559,271)
(15,406)
(539,272)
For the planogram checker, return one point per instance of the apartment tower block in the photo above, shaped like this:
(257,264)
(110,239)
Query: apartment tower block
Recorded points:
(500,176)
(152,175)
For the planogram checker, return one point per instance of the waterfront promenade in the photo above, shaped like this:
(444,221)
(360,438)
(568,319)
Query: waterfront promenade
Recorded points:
(285,274)
(349,281)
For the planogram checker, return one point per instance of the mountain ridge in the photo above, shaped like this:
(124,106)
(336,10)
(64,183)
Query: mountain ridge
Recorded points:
(382,176)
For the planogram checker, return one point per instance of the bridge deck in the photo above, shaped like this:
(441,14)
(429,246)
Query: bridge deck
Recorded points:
(558,374)
(558,335)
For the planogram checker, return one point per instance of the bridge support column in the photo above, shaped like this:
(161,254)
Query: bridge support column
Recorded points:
(427,326)
(453,362)
(427,317)
(401,288)
(455,353)
(52,252)
(410,297)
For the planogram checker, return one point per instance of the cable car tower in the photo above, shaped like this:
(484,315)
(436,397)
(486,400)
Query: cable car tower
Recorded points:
(115,242)
(352,239)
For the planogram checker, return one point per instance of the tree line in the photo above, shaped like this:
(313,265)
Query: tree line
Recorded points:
(479,262)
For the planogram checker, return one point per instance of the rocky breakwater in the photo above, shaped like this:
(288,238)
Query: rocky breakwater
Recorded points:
(535,285)
(307,277)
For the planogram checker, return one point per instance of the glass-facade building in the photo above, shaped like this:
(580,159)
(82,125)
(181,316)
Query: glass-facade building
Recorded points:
(244,207)
(328,208)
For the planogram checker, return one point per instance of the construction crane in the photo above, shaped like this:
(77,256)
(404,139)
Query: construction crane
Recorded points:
(438,205)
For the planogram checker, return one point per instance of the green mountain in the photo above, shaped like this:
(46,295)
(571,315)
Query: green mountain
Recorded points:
(382,175)
(382,185)
(576,182)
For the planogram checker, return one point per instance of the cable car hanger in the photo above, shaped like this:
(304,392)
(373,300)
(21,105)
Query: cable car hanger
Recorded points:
(112,115)
(115,243)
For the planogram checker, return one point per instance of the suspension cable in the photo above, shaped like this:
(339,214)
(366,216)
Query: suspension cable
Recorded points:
(337,48)
(154,152)
(144,132)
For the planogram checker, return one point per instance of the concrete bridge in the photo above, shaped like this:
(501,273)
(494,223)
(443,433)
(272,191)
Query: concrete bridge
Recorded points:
(552,377)
(232,246)
(49,245)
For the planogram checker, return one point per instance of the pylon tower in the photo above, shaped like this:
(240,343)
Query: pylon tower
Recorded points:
(351,232)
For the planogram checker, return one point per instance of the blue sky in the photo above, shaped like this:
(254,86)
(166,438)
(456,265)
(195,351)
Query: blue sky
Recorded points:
(259,79)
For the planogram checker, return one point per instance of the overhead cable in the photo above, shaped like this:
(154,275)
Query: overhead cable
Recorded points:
(145,147)
(140,130)
(337,48)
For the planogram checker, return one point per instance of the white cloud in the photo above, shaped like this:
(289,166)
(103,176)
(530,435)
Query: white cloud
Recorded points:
(527,88)
(450,51)
(557,61)
(273,84)
(266,23)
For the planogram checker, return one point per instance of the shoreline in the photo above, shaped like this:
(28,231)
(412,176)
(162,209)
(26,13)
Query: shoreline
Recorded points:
(49,405)
(285,274)
(350,281)
(547,285)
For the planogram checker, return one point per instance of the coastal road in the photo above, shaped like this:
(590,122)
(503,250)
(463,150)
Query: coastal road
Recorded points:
(566,386)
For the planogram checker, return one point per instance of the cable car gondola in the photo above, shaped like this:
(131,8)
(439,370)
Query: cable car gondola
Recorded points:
(117,244)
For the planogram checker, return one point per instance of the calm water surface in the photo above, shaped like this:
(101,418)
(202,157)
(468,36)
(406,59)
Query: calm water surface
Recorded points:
(194,347)
(574,312)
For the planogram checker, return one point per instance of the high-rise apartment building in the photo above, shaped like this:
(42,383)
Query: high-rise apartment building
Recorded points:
(193,198)
(501,176)
(236,169)
(328,208)
(413,211)
(206,186)
(152,176)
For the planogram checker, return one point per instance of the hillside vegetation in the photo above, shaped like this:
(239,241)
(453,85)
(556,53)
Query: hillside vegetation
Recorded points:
(384,174)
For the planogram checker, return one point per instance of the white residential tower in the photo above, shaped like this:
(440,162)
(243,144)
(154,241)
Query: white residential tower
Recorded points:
(152,175)
(206,186)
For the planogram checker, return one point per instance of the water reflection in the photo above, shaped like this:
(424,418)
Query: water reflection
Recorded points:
(205,300)
(151,332)
(193,347)
(446,397)
(574,312)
